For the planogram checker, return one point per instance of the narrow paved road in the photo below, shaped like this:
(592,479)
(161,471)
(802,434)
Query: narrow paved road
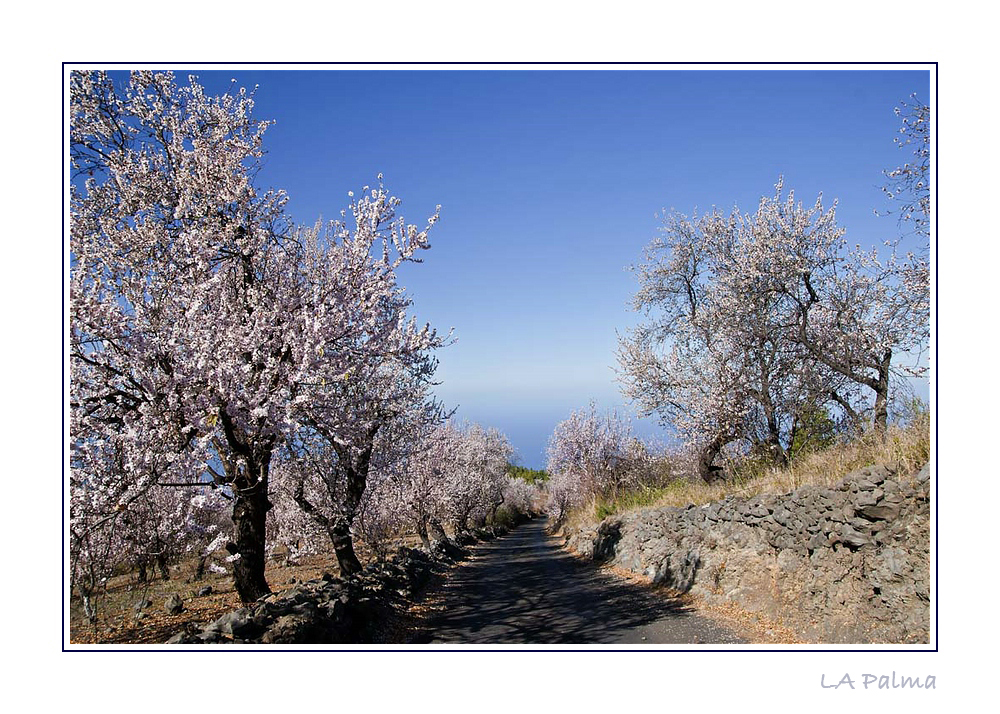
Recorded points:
(524,588)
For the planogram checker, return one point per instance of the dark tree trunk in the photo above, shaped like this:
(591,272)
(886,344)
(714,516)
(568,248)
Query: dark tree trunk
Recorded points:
(772,444)
(882,394)
(338,527)
(494,507)
(436,530)
(356,470)
(200,572)
(249,482)
(853,417)
(460,528)
(425,539)
(343,545)
(161,562)
(249,519)
(250,507)
(707,469)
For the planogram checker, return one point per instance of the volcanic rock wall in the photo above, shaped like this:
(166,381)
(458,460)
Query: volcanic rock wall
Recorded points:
(847,564)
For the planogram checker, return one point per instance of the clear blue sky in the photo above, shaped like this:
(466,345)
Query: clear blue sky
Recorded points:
(549,183)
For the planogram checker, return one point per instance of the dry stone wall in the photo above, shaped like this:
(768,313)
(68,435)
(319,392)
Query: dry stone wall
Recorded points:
(846,564)
(336,610)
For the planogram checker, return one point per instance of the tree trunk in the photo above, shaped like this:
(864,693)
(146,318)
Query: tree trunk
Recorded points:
(161,562)
(89,610)
(706,468)
(340,534)
(250,508)
(338,527)
(460,527)
(772,444)
(200,572)
(436,530)
(356,471)
(248,477)
(494,507)
(425,539)
(853,417)
(882,394)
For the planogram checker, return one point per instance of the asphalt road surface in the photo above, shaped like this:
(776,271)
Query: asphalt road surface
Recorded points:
(524,588)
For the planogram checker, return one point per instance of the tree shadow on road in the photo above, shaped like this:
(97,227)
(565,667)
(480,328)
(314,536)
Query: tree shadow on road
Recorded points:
(524,588)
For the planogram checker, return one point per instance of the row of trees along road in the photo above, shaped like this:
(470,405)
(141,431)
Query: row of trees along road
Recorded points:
(209,336)
(757,322)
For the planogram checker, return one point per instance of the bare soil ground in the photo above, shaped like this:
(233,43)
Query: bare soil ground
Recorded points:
(118,622)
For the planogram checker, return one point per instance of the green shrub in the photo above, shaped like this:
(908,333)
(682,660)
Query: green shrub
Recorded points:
(814,431)
(504,518)
(532,476)
(639,497)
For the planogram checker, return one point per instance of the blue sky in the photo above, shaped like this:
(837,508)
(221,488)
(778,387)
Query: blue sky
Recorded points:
(549,183)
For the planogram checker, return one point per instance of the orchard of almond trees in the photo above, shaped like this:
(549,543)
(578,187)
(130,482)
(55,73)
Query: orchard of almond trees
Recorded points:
(245,388)
(240,383)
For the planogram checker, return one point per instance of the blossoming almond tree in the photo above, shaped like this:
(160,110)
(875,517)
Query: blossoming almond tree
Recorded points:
(419,488)
(365,362)
(204,333)
(849,310)
(591,454)
(682,364)
(756,321)
(717,358)
(172,345)
(909,185)
(475,471)
(113,525)
(342,472)
(520,496)
(451,474)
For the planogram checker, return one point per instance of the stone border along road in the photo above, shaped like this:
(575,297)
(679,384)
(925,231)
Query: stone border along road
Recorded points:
(524,588)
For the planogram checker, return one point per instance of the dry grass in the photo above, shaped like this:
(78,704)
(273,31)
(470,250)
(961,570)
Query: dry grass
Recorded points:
(906,449)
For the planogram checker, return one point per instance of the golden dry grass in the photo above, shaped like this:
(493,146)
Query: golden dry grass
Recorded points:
(905,449)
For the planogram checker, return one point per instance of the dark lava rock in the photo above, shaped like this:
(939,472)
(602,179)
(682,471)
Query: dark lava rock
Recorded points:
(174,605)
